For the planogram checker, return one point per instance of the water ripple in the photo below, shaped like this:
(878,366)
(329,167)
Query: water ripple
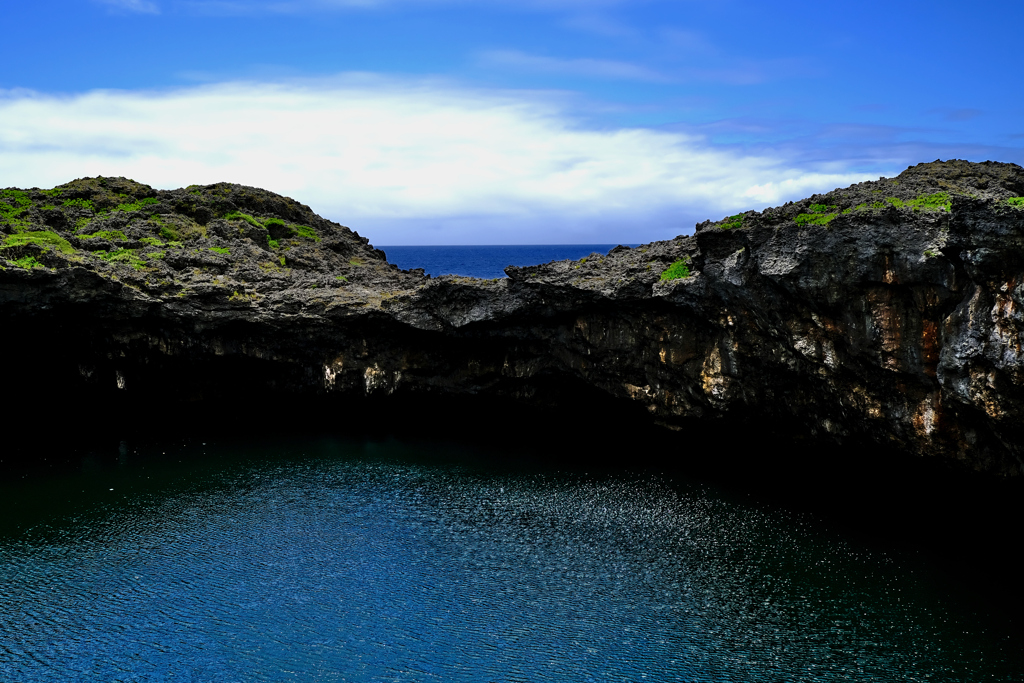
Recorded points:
(351,565)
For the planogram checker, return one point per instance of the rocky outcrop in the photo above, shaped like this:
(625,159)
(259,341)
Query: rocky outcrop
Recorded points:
(885,314)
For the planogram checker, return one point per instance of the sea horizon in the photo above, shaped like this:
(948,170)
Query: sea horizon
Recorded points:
(486,260)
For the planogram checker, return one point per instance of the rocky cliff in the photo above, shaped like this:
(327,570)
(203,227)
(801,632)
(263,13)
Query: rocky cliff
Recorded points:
(887,313)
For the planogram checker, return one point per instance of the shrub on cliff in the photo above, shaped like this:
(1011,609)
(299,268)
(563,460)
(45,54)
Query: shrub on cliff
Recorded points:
(677,270)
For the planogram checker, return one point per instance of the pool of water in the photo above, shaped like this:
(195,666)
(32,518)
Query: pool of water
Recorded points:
(356,560)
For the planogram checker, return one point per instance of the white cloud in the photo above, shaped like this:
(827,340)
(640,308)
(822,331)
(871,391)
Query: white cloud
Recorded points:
(418,162)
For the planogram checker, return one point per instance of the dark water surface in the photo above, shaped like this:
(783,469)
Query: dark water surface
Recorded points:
(486,261)
(357,560)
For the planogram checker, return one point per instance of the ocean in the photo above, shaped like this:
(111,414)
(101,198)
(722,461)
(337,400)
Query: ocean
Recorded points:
(486,261)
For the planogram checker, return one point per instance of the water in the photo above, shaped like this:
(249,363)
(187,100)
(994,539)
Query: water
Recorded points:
(354,560)
(486,261)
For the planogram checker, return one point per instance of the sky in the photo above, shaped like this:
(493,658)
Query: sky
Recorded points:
(508,122)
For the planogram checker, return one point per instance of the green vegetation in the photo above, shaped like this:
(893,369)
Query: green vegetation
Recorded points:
(355,262)
(20,197)
(677,270)
(169,233)
(154,255)
(239,216)
(292,230)
(732,222)
(282,261)
(27,262)
(152,241)
(55,192)
(270,266)
(1017,202)
(135,206)
(929,253)
(280,227)
(818,214)
(44,238)
(106,235)
(14,214)
(274,244)
(821,208)
(815,218)
(822,214)
(79,204)
(178,228)
(220,250)
(938,201)
(341,277)
(126,256)
(13,218)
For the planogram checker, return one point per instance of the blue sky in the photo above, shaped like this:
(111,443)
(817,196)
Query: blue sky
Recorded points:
(448,122)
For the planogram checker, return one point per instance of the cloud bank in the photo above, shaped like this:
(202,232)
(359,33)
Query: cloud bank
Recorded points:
(404,162)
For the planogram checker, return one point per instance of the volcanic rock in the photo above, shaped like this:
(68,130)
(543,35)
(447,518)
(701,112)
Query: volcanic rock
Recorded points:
(886,314)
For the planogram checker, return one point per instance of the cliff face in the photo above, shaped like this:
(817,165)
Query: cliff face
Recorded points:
(886,313)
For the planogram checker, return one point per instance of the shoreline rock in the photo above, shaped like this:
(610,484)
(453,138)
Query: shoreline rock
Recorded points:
(887,314)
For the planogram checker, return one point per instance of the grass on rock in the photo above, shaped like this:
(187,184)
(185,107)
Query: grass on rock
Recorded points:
(732,222)
(106,235)
(43,238)
(126,256)
(818,214)
(679,269)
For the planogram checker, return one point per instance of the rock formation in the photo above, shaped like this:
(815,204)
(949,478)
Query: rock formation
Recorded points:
(888,313)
